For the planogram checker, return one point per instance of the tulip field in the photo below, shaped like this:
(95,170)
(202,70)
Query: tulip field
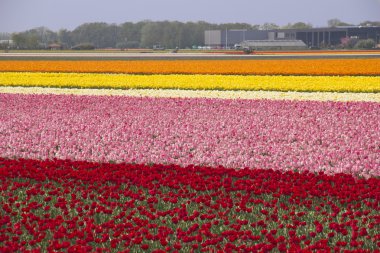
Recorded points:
(341,67)
(177,155)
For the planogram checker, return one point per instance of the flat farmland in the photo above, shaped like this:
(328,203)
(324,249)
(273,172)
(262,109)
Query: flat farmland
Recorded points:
(188,55)
(184,152)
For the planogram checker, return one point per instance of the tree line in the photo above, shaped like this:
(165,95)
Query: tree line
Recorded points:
(143,34)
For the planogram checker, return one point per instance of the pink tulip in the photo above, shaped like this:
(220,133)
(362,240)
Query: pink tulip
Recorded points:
(291,135)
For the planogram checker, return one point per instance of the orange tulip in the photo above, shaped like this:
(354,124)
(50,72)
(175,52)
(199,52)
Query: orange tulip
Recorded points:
(237,67)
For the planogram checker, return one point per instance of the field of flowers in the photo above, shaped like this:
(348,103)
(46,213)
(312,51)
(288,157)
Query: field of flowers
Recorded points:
(193,82)
(222,94)
(233,67)
(333,137)
(81,206)
(190,155)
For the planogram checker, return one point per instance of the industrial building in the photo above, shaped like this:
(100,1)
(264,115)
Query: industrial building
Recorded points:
(221,38)
(312,37)
(273,44)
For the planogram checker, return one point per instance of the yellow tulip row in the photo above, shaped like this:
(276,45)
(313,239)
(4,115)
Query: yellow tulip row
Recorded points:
(229,94)
(194,82)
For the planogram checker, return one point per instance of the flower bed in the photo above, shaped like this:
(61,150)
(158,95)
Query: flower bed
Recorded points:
(80,206)
(316,136)
(176,93)
(252,67)
(194,82)
(85,172)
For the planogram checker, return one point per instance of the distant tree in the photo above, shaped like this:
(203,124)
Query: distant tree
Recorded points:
(100,34)
(151,34)
(36,38)
(231,26)
(83,46)
(64,37)
(269,26)
(172,34)
(348,43)
(192,34)
(45,35)
(365,44)
(336,22)
(202,26)
(130,35)
(25,41)
(189,35)
(5,43)
(301,25)
(5,36)
(288,26)
(370,23)
(112,32)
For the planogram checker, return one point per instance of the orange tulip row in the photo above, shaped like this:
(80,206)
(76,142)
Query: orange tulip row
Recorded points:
(237,67)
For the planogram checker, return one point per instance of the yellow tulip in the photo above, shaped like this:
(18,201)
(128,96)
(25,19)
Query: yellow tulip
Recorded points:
(194,82)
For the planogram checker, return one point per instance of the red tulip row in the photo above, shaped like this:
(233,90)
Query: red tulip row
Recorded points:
(62,205)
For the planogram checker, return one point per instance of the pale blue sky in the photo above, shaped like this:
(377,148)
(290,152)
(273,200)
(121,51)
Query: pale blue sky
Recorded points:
(20,15)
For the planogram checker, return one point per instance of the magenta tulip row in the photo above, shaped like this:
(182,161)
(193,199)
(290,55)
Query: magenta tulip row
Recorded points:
(289,135)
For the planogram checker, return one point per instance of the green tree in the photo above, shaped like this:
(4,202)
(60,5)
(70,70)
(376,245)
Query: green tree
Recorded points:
(25,41)
(36,38)
(199,31)
(130,35)
(365,44)
(173,34)
(100,34)
(231,26)
(151,34)
(336,22)
(5,36)
(4,41)
(269,26)
(191,35)
(370,23)
(298,25)
(45,36)
(64,37)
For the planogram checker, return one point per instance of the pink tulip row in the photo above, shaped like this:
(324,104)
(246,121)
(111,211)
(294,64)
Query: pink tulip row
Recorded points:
(289,135)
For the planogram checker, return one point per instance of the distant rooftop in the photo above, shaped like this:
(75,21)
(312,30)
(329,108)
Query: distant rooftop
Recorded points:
(6,41)
(329,28)
(273,43)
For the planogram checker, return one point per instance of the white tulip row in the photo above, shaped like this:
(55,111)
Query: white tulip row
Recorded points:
(274,95)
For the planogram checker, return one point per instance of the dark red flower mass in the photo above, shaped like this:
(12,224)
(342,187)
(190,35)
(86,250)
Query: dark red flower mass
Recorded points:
(77,206)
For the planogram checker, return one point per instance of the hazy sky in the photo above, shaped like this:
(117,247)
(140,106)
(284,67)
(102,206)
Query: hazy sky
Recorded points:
(20,15)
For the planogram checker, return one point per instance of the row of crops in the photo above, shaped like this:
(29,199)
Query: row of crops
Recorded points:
(190,155)
(301,66)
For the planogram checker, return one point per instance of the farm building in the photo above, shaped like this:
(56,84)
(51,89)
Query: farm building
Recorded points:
(6,42)
(221,38)
(312,37)
(273,44)
(316,37)
(55,46)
